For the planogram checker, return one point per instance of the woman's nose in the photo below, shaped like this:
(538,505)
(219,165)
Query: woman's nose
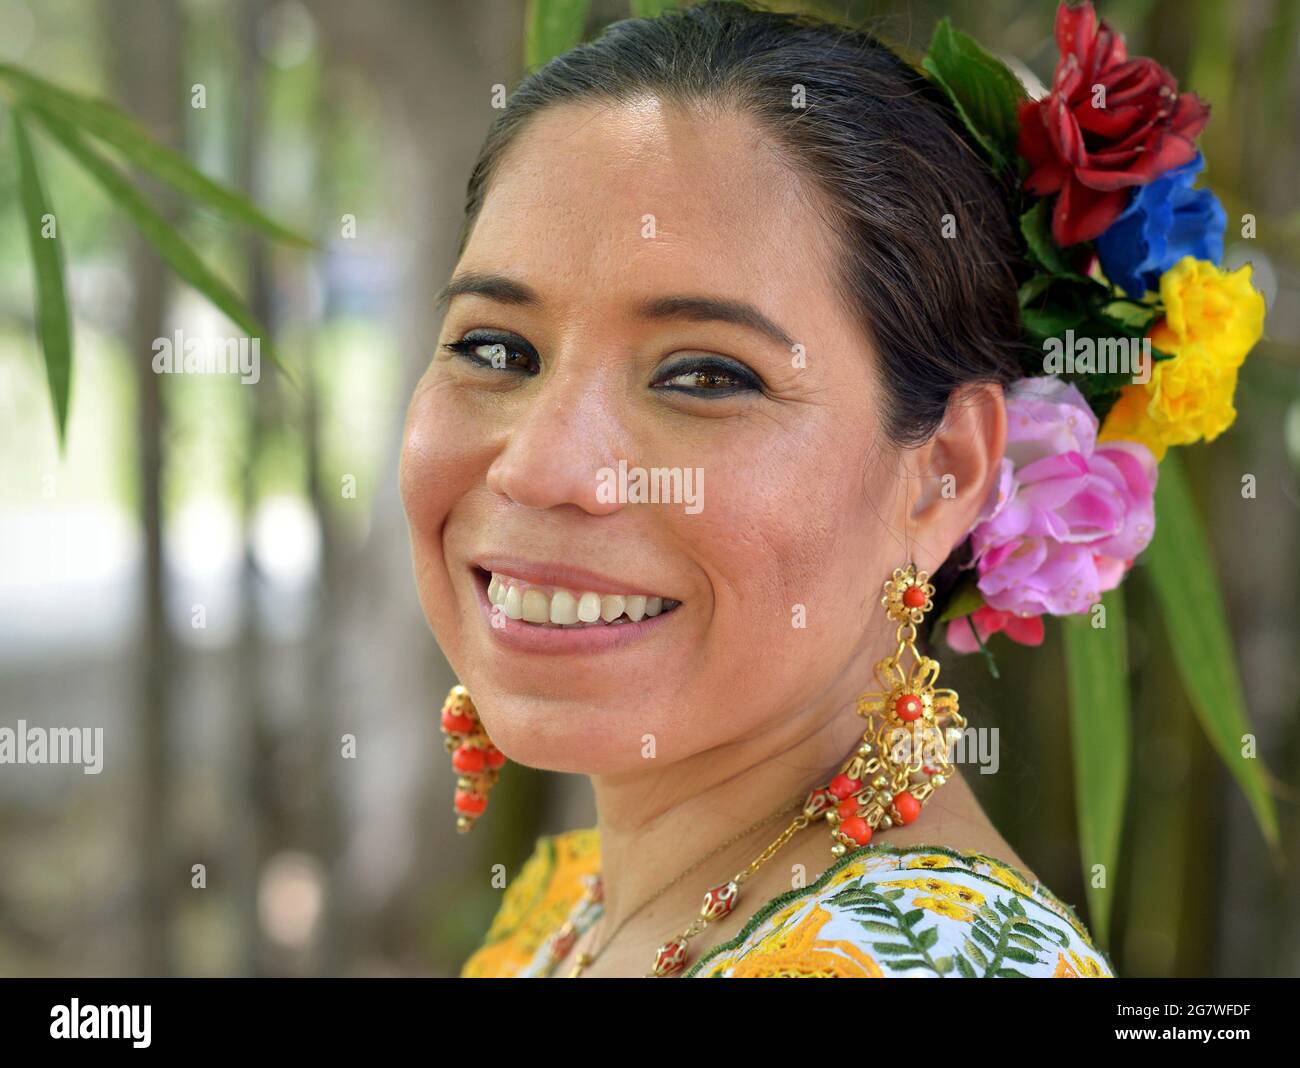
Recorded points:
(564,435)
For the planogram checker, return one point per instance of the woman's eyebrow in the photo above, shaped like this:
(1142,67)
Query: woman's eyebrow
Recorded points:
(715,309)
(697,309)
(496,286)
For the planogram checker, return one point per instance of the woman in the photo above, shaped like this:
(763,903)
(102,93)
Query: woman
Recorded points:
(756,260)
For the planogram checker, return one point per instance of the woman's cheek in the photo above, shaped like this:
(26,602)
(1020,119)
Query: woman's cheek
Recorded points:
(440,447)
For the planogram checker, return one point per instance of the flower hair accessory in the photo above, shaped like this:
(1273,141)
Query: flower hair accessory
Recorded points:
(1134,330)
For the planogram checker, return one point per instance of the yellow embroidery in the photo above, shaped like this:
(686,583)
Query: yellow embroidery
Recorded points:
(1009,879)
(848,873)
(1078,967)
(535,903)
(939,886)
(797,953)
(788,943)
(944,907)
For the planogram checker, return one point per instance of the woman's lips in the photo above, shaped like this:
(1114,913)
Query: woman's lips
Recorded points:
(581,637)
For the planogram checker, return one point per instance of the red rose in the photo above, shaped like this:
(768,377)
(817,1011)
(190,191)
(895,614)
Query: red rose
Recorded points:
(1088,155)
(961,638)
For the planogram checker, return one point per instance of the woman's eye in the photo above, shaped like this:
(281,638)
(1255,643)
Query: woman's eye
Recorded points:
(708,378)
(495,352)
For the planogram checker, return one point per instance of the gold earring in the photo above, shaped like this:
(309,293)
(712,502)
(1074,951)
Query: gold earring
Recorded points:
(903,756)
(476,760)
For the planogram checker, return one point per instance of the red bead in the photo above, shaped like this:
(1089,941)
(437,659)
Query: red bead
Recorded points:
(908,707)
(719,901)
(841,786)
(671,958)
(857,828)
(455,724)
(564,940)
(817,802)
(908,806)
(848,808)
(470,803)
(914,597)
(494,757)
(467,758)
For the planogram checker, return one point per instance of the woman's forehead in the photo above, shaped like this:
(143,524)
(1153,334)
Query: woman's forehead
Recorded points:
(649,198)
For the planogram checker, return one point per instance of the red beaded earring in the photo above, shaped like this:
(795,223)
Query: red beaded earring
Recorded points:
(476,760)
(903,756)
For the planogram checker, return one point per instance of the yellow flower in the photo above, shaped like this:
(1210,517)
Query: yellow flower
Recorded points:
(1212,320)
(949,890)
(1010,879)
(847,874)
(930,860)
(944,907)
(1082,967)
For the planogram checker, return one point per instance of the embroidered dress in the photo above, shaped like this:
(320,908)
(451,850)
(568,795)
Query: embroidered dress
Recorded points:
(877,912)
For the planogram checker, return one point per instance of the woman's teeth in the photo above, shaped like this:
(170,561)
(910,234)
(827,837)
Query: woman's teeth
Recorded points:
(567,608)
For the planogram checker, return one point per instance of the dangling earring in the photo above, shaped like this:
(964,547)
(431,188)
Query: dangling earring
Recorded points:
(476,760)
(903,757)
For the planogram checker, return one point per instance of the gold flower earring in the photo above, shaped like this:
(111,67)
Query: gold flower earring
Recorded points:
(903,756)
(476,760)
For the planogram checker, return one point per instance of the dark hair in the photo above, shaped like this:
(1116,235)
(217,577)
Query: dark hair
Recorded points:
(881,143)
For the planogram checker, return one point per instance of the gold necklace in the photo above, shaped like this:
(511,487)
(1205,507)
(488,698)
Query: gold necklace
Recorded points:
(585,959)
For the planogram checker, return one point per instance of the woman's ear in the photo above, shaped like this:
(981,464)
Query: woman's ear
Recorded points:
(955,470)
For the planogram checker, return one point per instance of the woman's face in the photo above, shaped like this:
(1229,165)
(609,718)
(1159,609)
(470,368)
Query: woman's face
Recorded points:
(600,243)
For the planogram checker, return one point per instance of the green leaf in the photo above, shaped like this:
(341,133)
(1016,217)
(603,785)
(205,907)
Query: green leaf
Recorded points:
(161,234)
(965,600)
(553,27)
(1134,316)
(982,89)
(116,128)
(1096,660)
(1182,571)
(892,949)
(644,9)
(1036,227)
(53,324)
(1046,323)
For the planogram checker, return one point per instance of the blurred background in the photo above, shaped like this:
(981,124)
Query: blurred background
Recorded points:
(192,573)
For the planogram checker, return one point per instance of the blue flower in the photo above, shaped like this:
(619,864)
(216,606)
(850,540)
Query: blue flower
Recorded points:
(1165,220)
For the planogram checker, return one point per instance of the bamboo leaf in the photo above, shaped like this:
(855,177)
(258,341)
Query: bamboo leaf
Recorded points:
(1097,669)
(644,9)
(161,234)
(1182,572)
(554,26)
(53,324)
(115,127)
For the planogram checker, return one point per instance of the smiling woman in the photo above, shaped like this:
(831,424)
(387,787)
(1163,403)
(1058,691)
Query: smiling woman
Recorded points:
(721,240)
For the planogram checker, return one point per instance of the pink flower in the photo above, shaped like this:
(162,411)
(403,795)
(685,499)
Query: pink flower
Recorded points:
(989,621)
(1066,518)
